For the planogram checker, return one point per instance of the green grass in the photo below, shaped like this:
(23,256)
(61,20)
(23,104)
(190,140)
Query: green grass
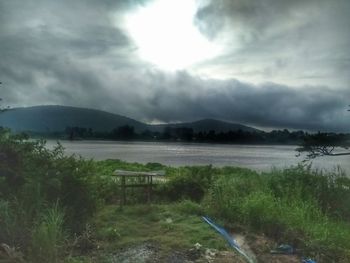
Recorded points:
(169,226)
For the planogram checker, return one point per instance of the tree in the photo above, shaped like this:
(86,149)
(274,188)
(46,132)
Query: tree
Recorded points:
(325,144)
(125,132)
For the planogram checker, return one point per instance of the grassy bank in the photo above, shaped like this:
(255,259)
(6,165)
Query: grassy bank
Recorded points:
(300,206)
(55,208)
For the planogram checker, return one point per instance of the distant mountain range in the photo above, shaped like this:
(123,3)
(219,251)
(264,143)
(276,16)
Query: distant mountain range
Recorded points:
(47,119)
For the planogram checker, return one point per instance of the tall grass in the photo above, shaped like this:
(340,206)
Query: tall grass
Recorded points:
(48,237)
(288,206)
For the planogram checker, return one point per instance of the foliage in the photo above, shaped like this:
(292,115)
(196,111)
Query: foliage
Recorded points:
(46,199)
(39,185)
(190,208)
(321,144)
(296,205)
(108,185)
(331,190)
(236,136)
(48,237)
(188,183)
(180,183)
(299,205)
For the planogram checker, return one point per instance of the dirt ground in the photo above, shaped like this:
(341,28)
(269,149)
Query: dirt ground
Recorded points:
(261,246)
(258,247)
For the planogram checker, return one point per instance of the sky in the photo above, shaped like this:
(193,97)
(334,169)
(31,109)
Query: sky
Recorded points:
(270,64)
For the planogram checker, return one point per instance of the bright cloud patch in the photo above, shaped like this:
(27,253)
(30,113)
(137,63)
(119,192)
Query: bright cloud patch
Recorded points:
(166,36)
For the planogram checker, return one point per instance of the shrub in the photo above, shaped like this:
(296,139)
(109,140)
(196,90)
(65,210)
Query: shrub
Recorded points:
(34,179)
(188,183)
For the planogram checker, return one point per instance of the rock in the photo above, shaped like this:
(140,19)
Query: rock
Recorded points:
(197,246)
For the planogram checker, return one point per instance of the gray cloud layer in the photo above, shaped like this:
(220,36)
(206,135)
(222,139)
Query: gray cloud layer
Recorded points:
(74,53)
(300,41)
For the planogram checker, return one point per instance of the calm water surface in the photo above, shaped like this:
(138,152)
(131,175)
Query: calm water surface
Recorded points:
(257,157)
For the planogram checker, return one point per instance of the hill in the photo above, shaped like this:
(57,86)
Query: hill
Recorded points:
(57,118)
(46,119)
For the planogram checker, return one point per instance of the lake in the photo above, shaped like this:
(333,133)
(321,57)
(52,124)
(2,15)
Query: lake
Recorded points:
(257,157)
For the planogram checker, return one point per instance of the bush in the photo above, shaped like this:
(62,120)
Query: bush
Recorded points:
(33,180)
(10,220)
(188,183)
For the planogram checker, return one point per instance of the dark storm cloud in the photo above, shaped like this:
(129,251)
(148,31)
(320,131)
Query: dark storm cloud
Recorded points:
(46,44)
(77,53)
(181,97)
(157,96)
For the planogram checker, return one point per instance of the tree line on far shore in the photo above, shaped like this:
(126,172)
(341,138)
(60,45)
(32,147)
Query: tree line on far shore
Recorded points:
(184,134)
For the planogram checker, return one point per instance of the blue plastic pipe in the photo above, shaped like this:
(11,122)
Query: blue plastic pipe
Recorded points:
(228,238)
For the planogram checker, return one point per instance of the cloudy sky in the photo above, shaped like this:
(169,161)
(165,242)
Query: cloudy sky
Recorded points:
(265,63)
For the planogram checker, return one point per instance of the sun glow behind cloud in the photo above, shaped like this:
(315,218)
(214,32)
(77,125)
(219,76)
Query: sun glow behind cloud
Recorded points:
(166,36)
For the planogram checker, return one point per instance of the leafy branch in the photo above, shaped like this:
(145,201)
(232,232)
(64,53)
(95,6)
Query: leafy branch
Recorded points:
(325,144)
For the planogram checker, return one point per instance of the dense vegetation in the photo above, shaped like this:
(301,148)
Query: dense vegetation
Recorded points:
(48,204)
(185,135)
(44,196)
